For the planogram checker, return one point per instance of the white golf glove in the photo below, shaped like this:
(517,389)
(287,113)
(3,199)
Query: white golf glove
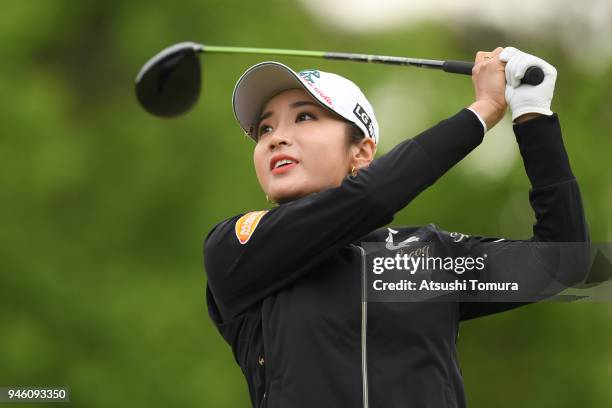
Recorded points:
(525,98)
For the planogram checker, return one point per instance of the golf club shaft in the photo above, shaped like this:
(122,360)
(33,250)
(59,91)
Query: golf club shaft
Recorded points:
(460,67)
(533,75)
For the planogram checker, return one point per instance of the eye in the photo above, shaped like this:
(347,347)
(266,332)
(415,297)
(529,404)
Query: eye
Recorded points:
(263,129)
(303,115)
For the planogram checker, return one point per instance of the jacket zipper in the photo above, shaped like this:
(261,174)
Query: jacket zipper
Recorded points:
(364,326)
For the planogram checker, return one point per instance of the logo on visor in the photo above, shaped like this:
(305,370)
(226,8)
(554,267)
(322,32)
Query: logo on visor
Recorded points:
(308,75)
(364,118)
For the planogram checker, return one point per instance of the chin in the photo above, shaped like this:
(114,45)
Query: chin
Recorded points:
(291,193)
(286,197)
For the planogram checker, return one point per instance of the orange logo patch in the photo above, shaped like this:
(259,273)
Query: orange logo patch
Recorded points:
(245,226)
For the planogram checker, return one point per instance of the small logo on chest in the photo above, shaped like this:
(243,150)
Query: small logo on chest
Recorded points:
(390,245)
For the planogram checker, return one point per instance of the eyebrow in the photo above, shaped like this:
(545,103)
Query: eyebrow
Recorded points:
(293,106)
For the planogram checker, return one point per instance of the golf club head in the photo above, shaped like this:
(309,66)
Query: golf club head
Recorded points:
(169,83)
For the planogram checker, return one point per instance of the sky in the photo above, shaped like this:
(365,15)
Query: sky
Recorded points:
(583,28)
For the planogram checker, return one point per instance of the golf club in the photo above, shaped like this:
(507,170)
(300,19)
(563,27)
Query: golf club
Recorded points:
(169,83)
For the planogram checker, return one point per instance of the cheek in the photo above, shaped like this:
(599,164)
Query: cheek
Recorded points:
(329,159)
(259,163)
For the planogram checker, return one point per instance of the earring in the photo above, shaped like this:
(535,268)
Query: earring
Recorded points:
(353,171)
(268,200)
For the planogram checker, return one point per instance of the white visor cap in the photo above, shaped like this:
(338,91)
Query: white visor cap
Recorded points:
(262,81)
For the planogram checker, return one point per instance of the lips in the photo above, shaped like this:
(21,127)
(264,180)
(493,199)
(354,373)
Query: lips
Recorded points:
(282,163)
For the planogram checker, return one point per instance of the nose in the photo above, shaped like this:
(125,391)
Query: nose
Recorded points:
(277,139)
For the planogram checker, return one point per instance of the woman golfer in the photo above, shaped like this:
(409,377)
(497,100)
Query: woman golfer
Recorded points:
(285,286)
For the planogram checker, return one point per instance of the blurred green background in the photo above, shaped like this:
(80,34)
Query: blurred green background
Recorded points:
(106,207)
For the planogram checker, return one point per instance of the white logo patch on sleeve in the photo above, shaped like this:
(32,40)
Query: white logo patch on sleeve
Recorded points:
(245,226)
(458,236)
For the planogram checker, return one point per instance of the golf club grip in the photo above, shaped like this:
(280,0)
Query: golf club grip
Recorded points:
(533,76)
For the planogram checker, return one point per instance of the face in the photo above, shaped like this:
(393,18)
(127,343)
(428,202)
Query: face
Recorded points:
(302,147)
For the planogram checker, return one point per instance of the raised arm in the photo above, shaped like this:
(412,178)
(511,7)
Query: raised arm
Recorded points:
(554,197)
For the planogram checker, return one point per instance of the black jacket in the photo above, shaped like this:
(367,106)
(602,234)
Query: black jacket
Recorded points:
(289,300)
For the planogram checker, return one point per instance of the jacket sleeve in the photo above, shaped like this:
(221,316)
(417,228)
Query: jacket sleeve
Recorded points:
(292,239)
(559,217)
